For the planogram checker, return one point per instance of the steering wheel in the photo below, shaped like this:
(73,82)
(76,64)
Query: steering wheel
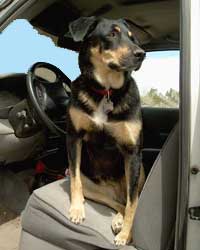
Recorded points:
(49,93)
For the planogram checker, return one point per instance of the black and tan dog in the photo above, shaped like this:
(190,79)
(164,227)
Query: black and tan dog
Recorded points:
(104,122)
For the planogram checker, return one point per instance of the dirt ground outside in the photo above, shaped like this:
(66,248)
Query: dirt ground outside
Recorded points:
(13,197)
(10,229)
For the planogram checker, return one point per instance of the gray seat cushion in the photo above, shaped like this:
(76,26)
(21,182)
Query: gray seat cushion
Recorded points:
(46,214)
(156,212)
(46,217)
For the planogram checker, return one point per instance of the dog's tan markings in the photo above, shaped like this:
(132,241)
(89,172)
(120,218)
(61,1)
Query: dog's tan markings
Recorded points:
(104,75)
(80,119)
(117,190)
(117,28)
(122,107)
(86,99)
(83,121)
(122,222)
(126,133)
(125,234)
(121,51)
(104,193)
(130,33)
(117,223)
(76,211)
(115,55)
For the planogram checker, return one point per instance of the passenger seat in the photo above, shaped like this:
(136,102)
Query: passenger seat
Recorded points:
(45,225)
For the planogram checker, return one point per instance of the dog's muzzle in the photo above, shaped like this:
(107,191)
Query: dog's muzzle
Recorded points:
(134,60)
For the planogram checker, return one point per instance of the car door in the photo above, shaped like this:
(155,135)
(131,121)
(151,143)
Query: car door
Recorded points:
(188,208)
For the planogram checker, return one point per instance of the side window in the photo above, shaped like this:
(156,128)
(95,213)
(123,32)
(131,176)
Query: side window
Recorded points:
(22,46)
(158,79)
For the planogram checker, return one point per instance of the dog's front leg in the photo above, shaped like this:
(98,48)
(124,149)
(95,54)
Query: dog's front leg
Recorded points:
(76,211)
(132,173)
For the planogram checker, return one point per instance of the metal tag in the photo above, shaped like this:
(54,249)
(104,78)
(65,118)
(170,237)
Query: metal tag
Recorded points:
(107,106)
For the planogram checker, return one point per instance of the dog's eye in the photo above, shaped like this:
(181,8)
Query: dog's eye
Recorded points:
(115,31)
(112,34)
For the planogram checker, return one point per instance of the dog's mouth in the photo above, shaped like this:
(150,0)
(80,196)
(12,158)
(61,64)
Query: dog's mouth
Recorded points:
(125,67)
(114,66)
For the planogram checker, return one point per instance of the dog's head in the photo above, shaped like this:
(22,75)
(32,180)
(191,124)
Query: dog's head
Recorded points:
(111,42)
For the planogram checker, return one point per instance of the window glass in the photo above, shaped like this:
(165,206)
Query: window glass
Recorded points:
(22,46)
(158,79)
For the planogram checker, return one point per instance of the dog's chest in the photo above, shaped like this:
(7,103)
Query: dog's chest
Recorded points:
(100,116)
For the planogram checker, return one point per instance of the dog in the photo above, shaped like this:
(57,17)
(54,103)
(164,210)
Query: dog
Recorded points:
(104,124)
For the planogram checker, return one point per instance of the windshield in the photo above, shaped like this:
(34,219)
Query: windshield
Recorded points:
(22,45)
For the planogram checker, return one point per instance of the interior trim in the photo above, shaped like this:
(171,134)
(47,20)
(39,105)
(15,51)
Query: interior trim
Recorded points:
(185,107)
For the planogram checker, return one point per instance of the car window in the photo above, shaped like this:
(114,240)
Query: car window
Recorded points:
(158,79)
(22,46)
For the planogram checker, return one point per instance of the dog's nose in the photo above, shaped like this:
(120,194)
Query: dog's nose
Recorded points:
(139,54)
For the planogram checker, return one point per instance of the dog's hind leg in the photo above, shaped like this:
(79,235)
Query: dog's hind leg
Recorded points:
(107,194)
(133,177)
(102,193)
(118,220)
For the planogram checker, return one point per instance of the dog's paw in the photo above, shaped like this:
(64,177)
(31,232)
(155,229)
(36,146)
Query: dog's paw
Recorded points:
(122,239)
(77,213)
(117,223)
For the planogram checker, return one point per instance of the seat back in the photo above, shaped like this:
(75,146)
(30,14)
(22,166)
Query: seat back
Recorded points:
(156,211)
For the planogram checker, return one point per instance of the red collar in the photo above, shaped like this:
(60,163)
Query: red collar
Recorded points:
(103,92)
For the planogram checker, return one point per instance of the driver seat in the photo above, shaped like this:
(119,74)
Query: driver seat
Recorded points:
(45,225)
(13,148)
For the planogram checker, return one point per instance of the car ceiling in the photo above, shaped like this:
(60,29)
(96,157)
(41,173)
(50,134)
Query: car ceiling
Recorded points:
(156,21)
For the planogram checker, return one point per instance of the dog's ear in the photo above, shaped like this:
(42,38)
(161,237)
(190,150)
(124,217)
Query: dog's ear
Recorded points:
(141,36)
(79,28)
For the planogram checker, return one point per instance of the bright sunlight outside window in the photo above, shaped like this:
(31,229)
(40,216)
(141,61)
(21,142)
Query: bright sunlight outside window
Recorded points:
(158,79)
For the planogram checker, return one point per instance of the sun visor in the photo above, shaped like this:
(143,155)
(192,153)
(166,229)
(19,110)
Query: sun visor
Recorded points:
(68,43)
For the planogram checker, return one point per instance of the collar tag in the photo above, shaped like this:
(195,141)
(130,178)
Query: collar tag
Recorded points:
(107,105)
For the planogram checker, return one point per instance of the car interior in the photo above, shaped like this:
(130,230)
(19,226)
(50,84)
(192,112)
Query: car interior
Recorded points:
(32,133)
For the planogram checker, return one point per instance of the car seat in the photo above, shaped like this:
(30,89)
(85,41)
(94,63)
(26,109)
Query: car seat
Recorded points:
(45,224)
